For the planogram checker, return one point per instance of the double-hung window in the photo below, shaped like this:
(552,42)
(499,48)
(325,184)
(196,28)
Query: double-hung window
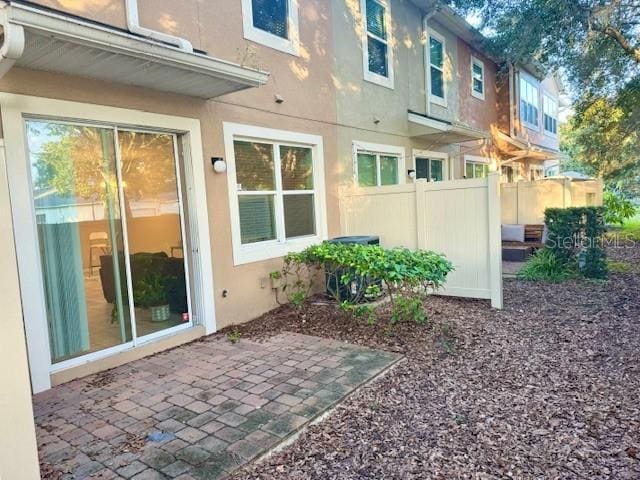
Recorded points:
(529,103)
(378,165)
(475,167)
(273,23)
(550,114)
(276,191)
(378,64)
(477,78)
(436,69)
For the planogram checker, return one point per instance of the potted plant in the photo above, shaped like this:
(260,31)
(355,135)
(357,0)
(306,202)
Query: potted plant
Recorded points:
(150,292)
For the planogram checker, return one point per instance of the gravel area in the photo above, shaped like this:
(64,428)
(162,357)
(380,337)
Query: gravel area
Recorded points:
(549,387)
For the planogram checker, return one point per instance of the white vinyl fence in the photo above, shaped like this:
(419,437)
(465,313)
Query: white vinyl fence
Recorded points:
(524,203)
(459,218)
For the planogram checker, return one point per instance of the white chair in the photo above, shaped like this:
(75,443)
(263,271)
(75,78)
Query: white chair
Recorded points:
(97,241)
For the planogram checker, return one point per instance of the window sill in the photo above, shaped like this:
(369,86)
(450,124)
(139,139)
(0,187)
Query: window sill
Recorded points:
(272,41)
(438,101)
(262,251)
(479,96)
(376,79)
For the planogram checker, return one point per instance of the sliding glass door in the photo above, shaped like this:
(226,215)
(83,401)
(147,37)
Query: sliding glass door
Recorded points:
(110,232)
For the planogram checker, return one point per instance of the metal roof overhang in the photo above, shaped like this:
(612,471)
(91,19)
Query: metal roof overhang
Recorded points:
(440,132)
(40,39)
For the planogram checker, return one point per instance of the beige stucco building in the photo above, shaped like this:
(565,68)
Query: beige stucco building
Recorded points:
(185,147)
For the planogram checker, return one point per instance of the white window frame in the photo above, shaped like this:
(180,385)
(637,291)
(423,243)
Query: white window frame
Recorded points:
(475,159)
(15,108)
(536,168)
(536,85)
(379,149)
(259,251)
(370,76)
(546,95)
(434,98)
(476,61)
(289,45)
(431,155)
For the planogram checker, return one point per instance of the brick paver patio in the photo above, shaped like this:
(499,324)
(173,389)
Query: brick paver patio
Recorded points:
(198,411)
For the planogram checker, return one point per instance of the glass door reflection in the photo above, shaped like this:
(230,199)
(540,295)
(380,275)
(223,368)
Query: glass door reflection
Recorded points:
(75,191)
(154,225)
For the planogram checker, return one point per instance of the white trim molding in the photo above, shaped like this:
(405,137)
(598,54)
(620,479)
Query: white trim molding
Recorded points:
(290,45)
(370,76)
(476,61)
(259,251)
(15,109)
(442,101)
(379,149)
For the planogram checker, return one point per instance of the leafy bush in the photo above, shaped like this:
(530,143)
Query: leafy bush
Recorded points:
(150,291)
(576,235)
(408,309)
(617,208)
(545,266)
(355,273)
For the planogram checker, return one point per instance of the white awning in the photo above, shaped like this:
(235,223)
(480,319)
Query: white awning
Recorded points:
(440,132)
(42,39)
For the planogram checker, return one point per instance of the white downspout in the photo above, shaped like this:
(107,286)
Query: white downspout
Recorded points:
(133,24)
(13,45)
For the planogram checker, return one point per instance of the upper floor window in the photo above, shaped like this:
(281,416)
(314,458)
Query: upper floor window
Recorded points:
(378,165)
(529,103)
(273,23)
(477,78)
(436,68)
(378,66)
(550,110)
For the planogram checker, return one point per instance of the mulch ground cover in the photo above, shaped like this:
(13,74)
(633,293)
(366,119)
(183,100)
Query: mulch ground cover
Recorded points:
(548,387)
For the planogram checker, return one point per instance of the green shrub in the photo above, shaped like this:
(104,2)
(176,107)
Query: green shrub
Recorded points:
(545,266)
(408,309)
(617,208)
(355,273)
(575,235)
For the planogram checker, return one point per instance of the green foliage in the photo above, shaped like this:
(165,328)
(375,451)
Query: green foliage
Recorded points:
(594,42)
(620,267)
(545,266)
(596,46)
(234,336)
(355,273)
(576,235)
(631,230)
(595,258)
(408,309)
(617,208)
(150,291)
(603,134)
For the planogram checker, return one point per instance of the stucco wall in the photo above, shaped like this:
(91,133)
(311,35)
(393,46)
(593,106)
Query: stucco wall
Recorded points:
(216,27)
(478,113)
(360,101)
(246,296)
(18,451)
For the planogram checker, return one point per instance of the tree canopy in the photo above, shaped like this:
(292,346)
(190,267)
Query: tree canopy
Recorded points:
(595,45)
